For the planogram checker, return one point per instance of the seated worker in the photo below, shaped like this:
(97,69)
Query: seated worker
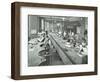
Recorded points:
(41,38)
(83,47)
(47,46)
(45,41)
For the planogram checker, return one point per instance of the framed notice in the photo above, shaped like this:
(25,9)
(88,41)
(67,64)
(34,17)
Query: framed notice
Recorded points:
(51,40)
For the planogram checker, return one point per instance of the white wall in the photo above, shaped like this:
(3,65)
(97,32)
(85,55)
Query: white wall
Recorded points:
(5,42)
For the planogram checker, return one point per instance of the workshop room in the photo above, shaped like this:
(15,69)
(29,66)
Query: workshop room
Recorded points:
(57,40)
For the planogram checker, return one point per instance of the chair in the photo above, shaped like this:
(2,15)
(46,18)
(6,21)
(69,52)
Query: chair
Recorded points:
(45,55)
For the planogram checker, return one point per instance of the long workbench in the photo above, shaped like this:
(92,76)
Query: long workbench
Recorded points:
(67,54)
